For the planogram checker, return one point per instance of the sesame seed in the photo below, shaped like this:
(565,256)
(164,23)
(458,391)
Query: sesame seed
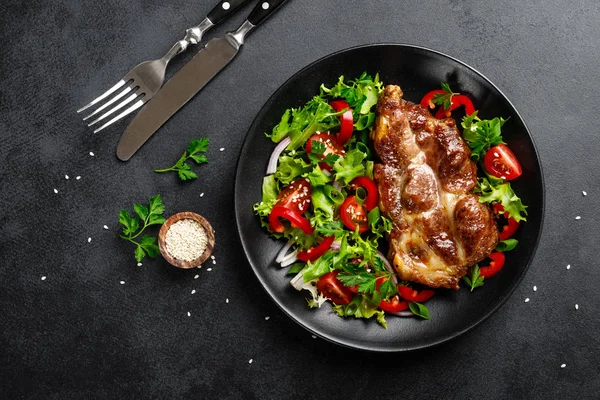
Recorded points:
(496,154)
(569,266)
(227,301)
(122,282)
(267,318)
(578,217)
(186,240)
(527,300)
(197,276)
(577,306)
(209,269)
(67,177)
(78,177)
(214,261)
(202,194)
(89,240)
(44,278)
(55,190)
(193,291)
(222,149)
(199,266)
(250,361)
(313,336)
(212,257)
(535,288)
(139,264)
(92,153)
(563,365)
(105,227)
(189,314)
(584,192)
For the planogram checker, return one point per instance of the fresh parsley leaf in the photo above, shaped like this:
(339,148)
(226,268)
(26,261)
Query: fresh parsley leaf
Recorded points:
(387,288)
(419,309)
(481,134)
(148,216)
(444,99)
(184,170)
(491,189)
(473,279)
(507,245)
(318,148)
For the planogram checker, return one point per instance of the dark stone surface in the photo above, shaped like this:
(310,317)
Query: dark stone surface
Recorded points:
(81,334)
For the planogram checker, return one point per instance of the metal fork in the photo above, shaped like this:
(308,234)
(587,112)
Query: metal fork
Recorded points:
(145,79)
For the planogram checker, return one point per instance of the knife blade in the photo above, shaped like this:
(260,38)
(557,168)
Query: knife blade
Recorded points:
(186,83)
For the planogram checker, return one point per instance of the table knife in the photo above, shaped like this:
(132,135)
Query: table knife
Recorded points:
(194,75)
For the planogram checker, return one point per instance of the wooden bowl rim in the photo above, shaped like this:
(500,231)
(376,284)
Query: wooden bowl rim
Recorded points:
(209,244)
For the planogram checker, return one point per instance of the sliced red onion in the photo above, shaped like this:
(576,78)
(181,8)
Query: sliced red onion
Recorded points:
(388,266)
(283,251)
(272,166)
(335,246)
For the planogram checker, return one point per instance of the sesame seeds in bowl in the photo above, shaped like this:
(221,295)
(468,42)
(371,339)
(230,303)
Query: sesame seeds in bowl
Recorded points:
(186,240)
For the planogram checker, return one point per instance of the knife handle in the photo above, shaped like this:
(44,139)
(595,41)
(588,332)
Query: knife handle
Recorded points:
(224,9)
(263,10)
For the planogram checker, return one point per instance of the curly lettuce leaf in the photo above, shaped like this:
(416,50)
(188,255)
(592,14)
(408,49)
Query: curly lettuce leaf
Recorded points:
(360,307)
(291,167)
(350,166)
(481,134)
(492,189)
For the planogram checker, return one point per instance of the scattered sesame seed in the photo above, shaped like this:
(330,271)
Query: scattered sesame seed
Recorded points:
(214,261)
(577,306)
(55,190)
(563,365)
(222,149)
(535,288)
(139,264)
(227,301)
(267,318)
(209,269)
(202,194)
(578,217)
(197,276)
(584,193)
(122,282)
(199,266)
(89,240)
(527,300)
(91,153)
(189,314)
(105,227)
(212,257)
(313,336)
(78,177)
(193,291)
(250,361)
(569,266)
(67,177)
(44,278)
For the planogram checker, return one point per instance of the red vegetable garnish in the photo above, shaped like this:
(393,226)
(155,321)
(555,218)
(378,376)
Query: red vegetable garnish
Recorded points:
(500,162)
(427,100)
(332,288)
(457,101)
(495,265)
(315,252)
(371,189)
(297,220)
(354,215)
(346,121)
(411,294)
(331,147)
(511,225)
(393,305)
(295,196)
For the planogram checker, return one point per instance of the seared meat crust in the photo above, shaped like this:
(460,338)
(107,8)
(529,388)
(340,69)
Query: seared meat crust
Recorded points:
(425,182)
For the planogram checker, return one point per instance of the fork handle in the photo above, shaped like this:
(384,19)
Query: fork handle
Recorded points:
(224,9)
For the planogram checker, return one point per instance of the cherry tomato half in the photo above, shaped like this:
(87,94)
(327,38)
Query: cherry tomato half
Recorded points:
(502,163)
(331,147)
(511,226)
(393,305)
(495,265)
(295,196)
(346,121)
(333,289)
(371,189)
(411,294)
(297,220)
(315,252)
(354,215)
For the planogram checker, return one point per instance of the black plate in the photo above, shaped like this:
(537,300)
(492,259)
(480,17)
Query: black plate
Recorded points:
(417,70)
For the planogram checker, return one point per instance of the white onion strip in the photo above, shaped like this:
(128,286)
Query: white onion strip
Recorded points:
(282,253)
(388,266)
(272,165)
(289,259)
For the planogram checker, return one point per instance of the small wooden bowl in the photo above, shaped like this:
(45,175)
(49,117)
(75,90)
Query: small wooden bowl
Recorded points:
(210,244)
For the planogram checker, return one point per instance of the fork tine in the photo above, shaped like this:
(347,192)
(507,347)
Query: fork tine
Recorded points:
(105,95)
(116,108)
(108,103)
(131,109)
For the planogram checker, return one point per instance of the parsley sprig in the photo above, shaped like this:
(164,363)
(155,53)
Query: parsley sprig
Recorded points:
(317,154)
(473,279)
(184,170)
(133,227)
(444,99)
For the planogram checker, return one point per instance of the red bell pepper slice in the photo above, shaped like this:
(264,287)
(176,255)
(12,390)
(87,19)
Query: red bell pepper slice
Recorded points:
(393,305)
(511,224)
(297,220)
(315,252)
(371,189)
(457,101)
(346,121)
(427,100)
(495,265)
(413,295)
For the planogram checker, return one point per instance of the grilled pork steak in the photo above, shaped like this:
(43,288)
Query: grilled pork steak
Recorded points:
(425,181)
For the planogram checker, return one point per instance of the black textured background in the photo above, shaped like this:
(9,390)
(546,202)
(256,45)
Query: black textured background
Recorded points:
(81,334)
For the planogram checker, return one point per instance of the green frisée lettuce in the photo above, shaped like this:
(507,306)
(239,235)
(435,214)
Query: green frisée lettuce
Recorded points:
(350,166)
(360,307)
(491,189)
(270,190)
(290,167)
(361,94)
